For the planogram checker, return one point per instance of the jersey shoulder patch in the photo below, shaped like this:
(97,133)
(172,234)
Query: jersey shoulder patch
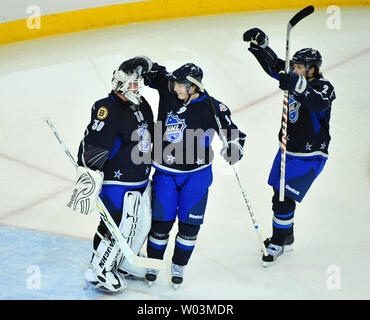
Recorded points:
(102,113)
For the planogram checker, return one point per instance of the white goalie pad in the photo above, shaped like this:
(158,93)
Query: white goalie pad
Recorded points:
(135,224)
(101,272)
(86,190)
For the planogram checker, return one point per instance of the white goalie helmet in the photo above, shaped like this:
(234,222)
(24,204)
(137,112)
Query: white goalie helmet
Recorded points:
(130,85)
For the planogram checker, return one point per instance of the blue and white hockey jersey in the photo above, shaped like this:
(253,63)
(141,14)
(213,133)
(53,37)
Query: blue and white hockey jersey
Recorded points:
(187,129)
(309,114)
(117,141)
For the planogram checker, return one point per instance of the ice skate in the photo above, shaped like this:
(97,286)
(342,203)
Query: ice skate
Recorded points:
(274,252)
(288,243)
(151,276)
(177,275)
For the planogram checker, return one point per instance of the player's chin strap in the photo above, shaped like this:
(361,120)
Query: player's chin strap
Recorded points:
(224,140)
(133,259)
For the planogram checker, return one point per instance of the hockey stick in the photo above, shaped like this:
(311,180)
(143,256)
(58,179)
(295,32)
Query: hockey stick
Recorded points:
(298,17)
(224,140)
(133,259)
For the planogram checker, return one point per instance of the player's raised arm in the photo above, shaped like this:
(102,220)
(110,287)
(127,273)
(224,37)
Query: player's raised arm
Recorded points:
(267,58)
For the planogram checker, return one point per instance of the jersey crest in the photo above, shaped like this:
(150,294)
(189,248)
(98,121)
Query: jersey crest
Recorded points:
(144,138)
(174,128)
(294,106)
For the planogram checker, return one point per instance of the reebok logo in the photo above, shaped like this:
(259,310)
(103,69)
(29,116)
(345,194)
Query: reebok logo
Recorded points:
(73,198)
(292,190)
(193,216)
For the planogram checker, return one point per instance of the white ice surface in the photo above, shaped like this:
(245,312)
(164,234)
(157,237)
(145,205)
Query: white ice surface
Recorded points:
(62,76)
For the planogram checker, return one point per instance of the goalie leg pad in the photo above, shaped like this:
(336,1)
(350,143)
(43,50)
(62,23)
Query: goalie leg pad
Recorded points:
(102,271)
(135,225)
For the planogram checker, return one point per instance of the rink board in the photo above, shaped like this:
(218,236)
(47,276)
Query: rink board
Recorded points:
(33,27)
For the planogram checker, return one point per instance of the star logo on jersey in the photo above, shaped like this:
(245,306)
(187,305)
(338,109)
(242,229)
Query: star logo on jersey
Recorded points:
(323,146)
(294,106)
(174,128)
(117,174)
(199,161)
(308,147)
(170,159)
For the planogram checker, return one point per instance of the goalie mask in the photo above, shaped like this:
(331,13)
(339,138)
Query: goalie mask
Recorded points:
(129,85)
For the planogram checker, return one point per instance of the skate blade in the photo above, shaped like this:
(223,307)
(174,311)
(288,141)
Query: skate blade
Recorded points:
(175,286)
(267,264)
(149,283)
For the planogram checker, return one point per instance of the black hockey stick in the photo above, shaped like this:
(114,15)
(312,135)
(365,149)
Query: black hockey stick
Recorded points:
(298,17)
(224,140)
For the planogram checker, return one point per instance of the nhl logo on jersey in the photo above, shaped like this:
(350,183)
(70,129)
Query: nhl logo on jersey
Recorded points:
(174,128)
(144,138)
(294,106)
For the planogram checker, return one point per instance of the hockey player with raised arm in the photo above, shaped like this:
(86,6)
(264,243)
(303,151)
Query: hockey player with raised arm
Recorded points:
(114,162)
(183,159)
(310,102)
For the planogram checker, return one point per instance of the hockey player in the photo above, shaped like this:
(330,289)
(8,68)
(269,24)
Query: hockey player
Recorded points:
(119,131)
(183,167)
(310,102)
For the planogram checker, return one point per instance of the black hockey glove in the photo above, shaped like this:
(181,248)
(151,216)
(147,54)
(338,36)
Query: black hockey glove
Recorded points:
(257,37)
(232,153)
(131,65)
(292,82)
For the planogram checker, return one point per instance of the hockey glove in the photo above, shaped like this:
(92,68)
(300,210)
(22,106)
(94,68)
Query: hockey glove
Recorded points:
(232,153)
(86,191)
(131,65)
(292,82)
(257,37)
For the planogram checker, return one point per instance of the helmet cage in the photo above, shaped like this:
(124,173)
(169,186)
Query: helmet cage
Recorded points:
(129,85)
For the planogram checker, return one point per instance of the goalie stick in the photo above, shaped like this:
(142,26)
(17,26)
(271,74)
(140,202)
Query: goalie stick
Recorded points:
(133,259)
(298,17)
(224,140)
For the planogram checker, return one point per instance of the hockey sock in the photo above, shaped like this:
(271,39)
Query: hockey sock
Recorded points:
(185,243)
(158,238)
(283,217)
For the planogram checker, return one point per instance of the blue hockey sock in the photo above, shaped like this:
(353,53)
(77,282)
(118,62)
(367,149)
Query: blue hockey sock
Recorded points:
(185,243)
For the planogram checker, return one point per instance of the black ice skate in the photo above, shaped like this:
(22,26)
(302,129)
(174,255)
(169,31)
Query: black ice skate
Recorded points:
(275,251)
(177,272)
(288,243)
(151,276)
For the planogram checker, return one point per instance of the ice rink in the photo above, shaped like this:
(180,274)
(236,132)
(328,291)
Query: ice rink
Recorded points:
(45,248)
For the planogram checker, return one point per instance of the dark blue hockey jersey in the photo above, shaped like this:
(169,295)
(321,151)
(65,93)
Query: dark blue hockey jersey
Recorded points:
(187,130)
(117,141)
(309,114)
